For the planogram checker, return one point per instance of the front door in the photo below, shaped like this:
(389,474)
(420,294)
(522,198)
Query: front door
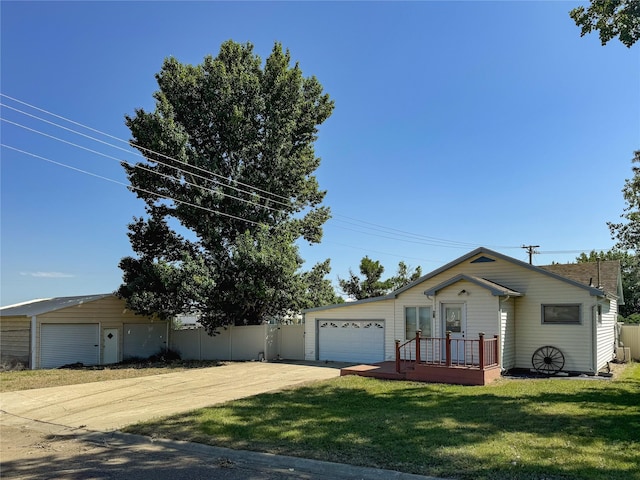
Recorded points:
(454,320)
(110,339)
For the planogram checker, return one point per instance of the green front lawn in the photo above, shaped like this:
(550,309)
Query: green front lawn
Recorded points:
(523,429)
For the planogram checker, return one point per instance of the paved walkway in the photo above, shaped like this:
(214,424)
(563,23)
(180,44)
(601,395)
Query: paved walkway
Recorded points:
(110,405)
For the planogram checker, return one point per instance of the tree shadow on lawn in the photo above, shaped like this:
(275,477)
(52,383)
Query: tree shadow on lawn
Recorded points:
(465,432)
(98,456)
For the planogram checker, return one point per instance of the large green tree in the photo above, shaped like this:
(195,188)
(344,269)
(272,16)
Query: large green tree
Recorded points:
(611,18)
(229,188)
(630,270)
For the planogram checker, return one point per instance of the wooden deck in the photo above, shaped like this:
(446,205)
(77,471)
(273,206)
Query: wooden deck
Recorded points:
(426,373)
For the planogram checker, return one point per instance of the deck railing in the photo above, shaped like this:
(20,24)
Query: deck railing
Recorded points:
(448,352)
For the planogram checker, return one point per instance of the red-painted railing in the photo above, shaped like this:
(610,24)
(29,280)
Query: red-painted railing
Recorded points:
(448,352)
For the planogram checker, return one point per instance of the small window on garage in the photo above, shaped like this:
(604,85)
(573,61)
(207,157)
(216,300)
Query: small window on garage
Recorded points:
(417,318)
(561,314)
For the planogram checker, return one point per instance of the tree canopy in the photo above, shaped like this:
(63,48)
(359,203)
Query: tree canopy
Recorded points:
(627,233)
(229,188)
(372,285)
(611,18)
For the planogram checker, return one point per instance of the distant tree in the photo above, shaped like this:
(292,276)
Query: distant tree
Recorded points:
(633,318)
(404,276)
(630,271)
(371,285)
(230,165)
(612,18)
(628,233)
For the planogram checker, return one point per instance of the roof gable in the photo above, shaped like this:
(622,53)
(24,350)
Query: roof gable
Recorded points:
(486,256)
(495,288)
(40,306)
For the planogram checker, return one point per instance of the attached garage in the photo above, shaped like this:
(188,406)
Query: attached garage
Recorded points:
(63,344)
(359,341)
(89,329)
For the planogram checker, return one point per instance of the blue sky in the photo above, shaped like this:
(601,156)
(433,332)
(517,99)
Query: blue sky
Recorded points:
(474,123)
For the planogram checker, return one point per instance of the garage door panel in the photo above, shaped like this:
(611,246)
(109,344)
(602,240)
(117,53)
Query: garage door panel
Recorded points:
(65,343)
(351,340)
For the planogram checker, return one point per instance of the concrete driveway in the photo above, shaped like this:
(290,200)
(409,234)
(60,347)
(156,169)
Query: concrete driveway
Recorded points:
(110,405)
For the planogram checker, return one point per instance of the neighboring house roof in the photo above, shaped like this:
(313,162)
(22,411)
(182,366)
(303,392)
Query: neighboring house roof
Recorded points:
(495,288)
(605,276)
(481,250)
(40,306)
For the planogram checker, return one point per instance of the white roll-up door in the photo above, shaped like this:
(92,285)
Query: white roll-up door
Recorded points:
(351,340)
(65,343)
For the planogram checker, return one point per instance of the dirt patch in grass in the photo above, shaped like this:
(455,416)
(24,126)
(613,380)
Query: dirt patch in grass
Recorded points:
(13,380)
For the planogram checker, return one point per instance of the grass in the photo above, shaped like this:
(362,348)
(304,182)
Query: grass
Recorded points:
(14,380)
(523,429)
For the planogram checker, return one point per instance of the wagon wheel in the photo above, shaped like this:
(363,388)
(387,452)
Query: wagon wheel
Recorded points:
(548,360)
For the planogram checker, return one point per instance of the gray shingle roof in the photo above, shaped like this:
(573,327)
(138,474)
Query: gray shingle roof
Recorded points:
(588,272)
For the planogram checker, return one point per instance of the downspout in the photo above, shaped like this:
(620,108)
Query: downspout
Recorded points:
(33,342)
(501,301)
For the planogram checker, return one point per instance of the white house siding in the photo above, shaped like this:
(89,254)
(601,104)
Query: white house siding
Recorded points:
(574,341)
(606,336)
(15,337)
(108,312)
(507,334)
(520,321)
(379,310)
(538,289)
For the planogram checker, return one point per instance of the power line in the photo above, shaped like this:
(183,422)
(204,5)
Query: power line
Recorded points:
(145,149)
(134,153)
(398,234)
(217,212)
(412,236)
(139,166)
(431,241)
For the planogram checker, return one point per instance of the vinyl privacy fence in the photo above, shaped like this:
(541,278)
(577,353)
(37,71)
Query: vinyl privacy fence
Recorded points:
(630,337)
(251,342)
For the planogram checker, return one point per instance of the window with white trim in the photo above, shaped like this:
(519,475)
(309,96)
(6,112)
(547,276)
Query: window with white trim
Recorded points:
(561,314)
(417,318)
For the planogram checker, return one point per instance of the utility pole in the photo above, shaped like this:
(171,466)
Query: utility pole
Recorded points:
(531,250)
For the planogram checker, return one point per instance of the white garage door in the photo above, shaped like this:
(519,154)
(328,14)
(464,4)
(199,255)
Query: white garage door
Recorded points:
(65,343)
(351,340)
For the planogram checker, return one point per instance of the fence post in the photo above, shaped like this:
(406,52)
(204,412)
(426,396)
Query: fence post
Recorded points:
(418,335)
(448,349)
(481,350)
(496,359)
(397,356)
